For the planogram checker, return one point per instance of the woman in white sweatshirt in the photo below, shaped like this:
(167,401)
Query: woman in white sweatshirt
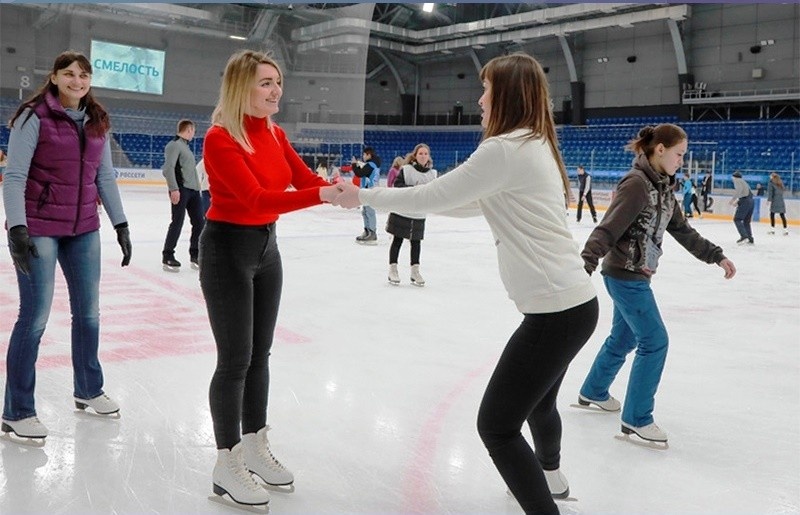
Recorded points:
(517,181)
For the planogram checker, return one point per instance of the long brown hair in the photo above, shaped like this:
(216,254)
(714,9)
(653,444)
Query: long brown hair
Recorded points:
(650,137)
(521,100)
(97,123)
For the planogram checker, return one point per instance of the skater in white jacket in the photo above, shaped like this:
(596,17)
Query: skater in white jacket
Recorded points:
(516,179)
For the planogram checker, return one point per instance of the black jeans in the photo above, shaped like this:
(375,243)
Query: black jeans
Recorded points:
(241,276)
(743,216)
(524,387)
(191,203)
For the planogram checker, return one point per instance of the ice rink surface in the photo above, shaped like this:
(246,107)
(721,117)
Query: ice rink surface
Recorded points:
(375,388)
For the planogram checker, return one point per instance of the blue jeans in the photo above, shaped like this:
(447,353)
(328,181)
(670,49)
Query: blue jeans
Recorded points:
(687,204)
(743,216)
(79,257)
(370,220)
(636,324)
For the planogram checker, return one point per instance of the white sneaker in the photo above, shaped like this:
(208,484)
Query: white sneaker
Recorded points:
(786,232)
(102,404)
(260,461)
(557,483)
(26,428)
(231,477)
(650,432)
(394,277)
(610,404)
(416,278)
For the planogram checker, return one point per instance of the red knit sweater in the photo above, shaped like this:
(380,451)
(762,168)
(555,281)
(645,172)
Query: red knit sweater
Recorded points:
(251,189)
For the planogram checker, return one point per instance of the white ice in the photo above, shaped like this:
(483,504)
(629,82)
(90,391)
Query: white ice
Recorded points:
(375,388)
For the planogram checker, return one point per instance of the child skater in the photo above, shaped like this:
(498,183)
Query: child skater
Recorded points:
(417,169)
(630,237)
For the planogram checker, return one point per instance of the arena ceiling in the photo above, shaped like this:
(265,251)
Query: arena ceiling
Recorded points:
(402,30)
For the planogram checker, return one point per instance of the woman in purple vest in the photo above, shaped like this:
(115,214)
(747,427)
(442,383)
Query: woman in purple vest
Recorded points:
(59,165)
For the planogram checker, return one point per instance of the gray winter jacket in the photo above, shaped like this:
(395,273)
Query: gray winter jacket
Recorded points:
(775,198)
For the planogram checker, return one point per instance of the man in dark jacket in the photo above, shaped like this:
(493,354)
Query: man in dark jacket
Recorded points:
(184,195)
(585,193)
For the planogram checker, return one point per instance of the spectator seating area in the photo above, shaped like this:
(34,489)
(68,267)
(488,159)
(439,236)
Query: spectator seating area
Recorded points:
(756,148)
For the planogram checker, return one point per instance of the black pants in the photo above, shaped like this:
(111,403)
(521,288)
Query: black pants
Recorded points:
(772,219)
(241,276)
(394,250)
(524,387)
(589,202)
(191,203)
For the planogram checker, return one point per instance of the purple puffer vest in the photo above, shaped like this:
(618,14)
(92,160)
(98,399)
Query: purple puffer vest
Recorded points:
(61,193)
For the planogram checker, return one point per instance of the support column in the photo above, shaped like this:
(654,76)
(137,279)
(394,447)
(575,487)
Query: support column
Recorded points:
(578,90)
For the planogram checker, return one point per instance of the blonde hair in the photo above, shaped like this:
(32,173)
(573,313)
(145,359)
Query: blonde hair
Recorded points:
(234,93)
(398,162)
(412,156)
(520,99)
(776,180)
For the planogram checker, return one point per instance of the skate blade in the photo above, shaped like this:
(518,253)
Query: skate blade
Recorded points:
(641,442)
(555,497)
(90,413)
(27,441)
(227,501)
(283,489)
(592,407)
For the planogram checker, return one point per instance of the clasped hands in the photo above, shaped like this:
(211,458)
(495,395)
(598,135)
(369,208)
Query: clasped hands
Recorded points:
(343,194)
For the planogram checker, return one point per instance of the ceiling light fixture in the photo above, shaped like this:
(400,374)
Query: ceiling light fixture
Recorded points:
(427,7)
(237,38)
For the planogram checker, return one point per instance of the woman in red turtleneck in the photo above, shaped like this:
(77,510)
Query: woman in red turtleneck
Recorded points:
(250,165)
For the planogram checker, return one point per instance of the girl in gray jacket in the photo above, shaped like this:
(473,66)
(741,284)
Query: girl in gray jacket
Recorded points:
(776,205)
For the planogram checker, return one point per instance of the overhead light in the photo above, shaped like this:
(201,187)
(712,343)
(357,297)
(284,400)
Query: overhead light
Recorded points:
(427,7)
(237,38)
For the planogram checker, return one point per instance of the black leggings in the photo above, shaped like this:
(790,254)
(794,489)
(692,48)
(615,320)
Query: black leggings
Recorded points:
(241,276)
(772,219)
(394,250)
(524,387)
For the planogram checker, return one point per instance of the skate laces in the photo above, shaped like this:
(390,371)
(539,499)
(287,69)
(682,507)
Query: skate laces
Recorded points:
(265,452)
(240,472)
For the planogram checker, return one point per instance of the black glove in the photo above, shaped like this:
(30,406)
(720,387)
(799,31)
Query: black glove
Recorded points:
(20,245)
(124,240)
